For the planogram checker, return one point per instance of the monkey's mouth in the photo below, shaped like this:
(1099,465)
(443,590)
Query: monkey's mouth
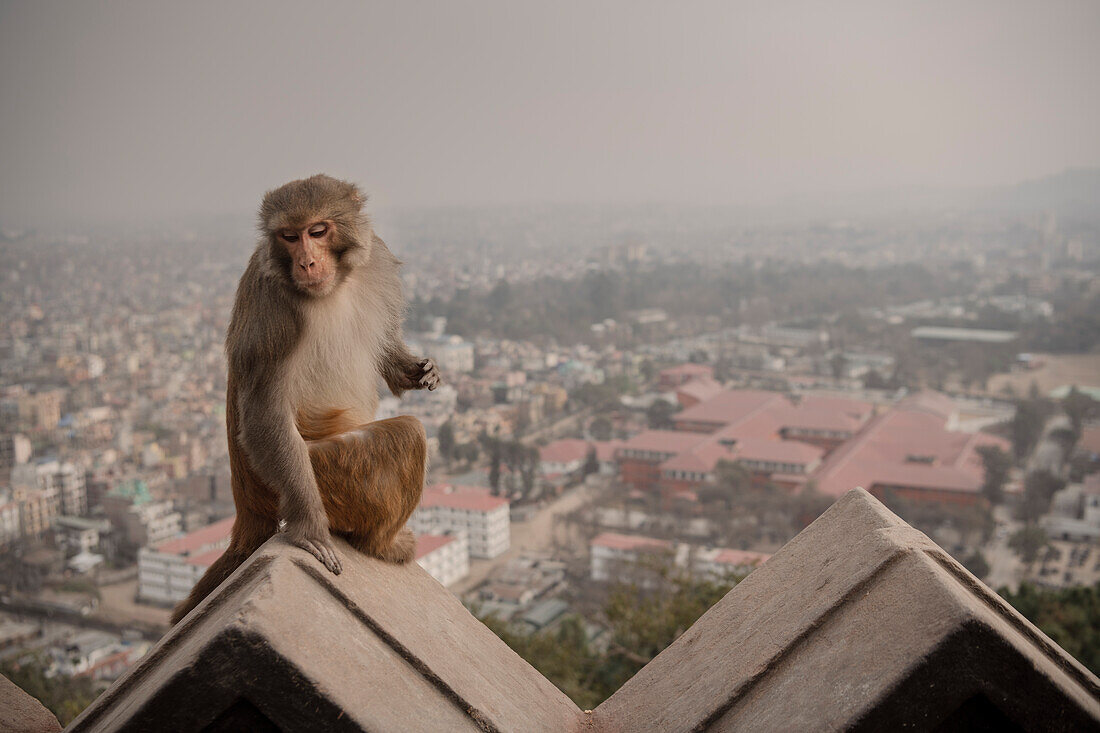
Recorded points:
(317,286)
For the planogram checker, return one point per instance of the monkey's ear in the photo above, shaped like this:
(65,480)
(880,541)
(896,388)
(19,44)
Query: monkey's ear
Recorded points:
(357,197)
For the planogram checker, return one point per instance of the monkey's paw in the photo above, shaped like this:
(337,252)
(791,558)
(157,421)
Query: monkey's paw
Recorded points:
(316,543)
(426,375)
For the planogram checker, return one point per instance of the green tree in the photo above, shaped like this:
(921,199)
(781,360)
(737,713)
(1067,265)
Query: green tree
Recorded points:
(65,697)
(591,462)
(562,655)
(1071,617)
(1027,427)
(659,415)
(1079,406)
(600,428)
(996,464)
(446,438)
(976,563)
(838,364)
(1039,489)
(598,396)
(1027,542)
(467,452)
(494,467)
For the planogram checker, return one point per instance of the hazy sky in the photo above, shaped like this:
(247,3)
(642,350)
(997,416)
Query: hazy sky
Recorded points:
(151,109)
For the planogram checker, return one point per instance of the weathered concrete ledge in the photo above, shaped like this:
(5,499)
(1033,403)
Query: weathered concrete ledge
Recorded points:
(859,622)
(21,712)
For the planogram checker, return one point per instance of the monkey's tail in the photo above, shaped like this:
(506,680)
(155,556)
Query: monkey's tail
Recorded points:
(222,568)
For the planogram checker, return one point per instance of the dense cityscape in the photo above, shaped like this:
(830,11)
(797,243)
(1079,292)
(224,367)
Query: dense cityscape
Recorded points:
(632,401)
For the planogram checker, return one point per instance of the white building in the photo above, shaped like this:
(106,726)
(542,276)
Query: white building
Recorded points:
(623,557)
(78,534)
(54,478)
(168,572)
(94,654)
(10,527)
(1075,512)
(450,353)
(563,457)
(445,557)
(484,518)
(721,563)
(612,553)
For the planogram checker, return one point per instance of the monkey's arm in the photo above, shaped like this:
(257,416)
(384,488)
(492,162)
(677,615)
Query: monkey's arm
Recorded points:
(280,458)
(403,371)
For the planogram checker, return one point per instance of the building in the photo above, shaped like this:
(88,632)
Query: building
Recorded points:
(37,510)
(620,557)
(61,491)
(78,535)
(563,457)
(911,452)
(671,378)
(452,354)
(1075,512)
(445,557)
(168,571)
(10,523)
(142,520)
(698,390)
(14,450)
(95,654)
(484,518)
(612,553)
(721,563)
(606,451)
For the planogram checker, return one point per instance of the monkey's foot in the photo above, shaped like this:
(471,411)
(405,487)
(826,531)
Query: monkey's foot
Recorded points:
(320,547)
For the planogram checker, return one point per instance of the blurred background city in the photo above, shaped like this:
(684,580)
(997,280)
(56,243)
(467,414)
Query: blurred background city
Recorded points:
(690,273)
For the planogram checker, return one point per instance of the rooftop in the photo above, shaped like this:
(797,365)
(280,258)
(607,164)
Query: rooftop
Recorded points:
(428,543)
(200,540)
(617,541)
(564,451)
(469,498)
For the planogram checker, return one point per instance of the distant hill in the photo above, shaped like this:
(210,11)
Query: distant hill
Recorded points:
(1073,192)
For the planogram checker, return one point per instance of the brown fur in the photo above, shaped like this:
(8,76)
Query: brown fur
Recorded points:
(319,466)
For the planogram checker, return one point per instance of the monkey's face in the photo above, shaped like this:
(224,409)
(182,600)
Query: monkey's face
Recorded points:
(311,254)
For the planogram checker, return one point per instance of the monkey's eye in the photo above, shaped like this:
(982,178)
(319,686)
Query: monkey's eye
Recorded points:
(318,231)
(289,236)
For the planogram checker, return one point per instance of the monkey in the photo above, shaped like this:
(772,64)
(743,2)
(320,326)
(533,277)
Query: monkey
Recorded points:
(316,323)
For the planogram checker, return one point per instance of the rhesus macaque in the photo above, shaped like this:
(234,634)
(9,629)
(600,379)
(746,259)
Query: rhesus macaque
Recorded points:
(316,322)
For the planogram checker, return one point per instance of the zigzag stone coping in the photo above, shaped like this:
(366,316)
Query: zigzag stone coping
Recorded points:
(860,622)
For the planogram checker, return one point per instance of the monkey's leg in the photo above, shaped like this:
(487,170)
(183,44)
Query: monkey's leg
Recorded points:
(371,479)
(249,532)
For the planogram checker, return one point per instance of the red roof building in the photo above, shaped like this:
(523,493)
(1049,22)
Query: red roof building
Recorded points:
(911,452)
(673,377)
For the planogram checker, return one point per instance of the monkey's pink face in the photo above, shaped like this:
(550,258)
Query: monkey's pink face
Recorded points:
(312,254)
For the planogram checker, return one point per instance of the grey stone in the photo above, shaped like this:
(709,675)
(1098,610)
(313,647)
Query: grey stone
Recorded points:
(860,622)
(286,644)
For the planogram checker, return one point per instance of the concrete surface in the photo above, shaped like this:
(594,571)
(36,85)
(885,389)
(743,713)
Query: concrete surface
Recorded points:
(860,623)
(21,713)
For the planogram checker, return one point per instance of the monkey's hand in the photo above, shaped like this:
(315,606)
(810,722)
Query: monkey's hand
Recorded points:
(314,538)
(424,374)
